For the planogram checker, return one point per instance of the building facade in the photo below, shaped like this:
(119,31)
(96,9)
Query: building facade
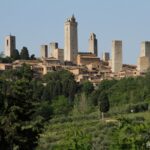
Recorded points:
(86,58)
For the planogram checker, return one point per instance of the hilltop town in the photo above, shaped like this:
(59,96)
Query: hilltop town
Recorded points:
(84,65)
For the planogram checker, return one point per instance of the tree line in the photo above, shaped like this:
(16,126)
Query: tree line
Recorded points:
(16,55)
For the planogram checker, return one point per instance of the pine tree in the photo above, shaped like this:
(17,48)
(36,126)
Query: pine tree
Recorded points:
(24,54)
(103,103)
(15,54)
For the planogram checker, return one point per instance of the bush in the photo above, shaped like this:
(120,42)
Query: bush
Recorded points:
(61,105)
(138,107)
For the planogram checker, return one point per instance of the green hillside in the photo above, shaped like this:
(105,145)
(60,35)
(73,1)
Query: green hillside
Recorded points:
(57,113)
(101,134)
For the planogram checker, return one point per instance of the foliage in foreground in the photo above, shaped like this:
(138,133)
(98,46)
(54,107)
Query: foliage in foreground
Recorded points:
(47,113)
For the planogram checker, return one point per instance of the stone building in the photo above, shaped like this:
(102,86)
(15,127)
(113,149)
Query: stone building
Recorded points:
(93,44)
(59,54)
(116,61)
(44,51)
(10,45)
(145,49)
(105,56)
(52,47)
(5,66)
(71,40)
(87,58)
(144,59)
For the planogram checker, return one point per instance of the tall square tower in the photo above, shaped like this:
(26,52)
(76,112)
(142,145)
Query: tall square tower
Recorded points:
(44,51)
(116,56)
(10,45)
(52,47)
(145,49)
(71,40)
(144,60)
(93,44)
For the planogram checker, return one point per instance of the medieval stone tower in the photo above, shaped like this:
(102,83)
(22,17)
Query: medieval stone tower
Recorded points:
(144,59)
(116,56)
(105,56)
(10,45)
(52,47)
(71,40)
(145,49)
(44,51)
(93,44)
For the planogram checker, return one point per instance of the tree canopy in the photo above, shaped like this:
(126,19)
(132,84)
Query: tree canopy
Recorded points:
(24,54)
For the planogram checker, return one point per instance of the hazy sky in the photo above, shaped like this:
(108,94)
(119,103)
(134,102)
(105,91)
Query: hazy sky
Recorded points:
(36,22)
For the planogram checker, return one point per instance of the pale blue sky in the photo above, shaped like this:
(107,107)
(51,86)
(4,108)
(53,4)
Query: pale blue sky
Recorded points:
(36,22)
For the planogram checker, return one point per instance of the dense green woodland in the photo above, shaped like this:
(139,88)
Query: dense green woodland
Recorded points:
(57,113)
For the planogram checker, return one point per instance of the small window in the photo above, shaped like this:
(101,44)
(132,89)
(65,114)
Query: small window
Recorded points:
(7,42)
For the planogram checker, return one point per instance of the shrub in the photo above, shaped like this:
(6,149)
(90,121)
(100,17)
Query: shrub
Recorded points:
(138,107)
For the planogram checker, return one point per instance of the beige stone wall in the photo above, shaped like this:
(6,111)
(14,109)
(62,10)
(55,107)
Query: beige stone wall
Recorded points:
(93,66)
(52,47)
(143,64)
(5,66)
(85,60)
(70,40)
(116,56)
(75,71)
(59,54)
(145,49)
(106,56)
(51,61)
(44,51)
(10,45)
(144,59)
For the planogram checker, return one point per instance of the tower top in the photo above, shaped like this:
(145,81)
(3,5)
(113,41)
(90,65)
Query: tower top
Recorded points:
(72,16)
(71,19)
(10,35)
(92,34)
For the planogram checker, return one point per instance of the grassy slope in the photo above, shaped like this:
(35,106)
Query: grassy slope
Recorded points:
(101,132)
